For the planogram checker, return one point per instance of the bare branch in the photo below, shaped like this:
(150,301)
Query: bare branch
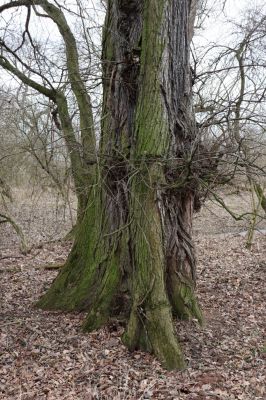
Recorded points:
(26,80)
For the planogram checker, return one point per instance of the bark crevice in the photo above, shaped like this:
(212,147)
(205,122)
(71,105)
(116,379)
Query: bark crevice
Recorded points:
(134,256)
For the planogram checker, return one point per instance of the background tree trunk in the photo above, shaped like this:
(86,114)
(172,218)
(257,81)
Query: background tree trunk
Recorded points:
(133,256)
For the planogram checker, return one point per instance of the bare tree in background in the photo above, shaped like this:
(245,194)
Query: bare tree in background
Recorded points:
(230,104)
(35,66)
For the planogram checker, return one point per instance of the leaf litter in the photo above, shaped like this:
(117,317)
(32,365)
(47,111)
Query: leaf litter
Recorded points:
(45,355)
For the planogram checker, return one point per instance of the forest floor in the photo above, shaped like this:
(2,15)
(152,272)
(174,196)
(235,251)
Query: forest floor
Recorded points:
(45,355)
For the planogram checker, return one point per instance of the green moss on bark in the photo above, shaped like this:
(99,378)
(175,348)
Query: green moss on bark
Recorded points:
(184,302)
(151,319)
(121,244)
(73,289)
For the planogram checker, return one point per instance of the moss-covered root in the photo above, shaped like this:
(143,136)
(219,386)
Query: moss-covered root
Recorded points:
(152,330)
(101,309)
(183,299)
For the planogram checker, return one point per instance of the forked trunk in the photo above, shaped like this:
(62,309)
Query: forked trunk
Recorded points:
(133,257)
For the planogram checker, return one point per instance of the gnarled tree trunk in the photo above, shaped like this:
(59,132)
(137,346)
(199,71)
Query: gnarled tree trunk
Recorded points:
(133,255)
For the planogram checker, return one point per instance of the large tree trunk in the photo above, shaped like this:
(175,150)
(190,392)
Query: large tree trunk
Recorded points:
(133,256)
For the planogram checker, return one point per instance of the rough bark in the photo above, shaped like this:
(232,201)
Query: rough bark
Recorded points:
(137,261)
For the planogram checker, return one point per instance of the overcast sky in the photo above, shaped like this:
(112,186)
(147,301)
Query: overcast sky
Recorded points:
(216,26)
